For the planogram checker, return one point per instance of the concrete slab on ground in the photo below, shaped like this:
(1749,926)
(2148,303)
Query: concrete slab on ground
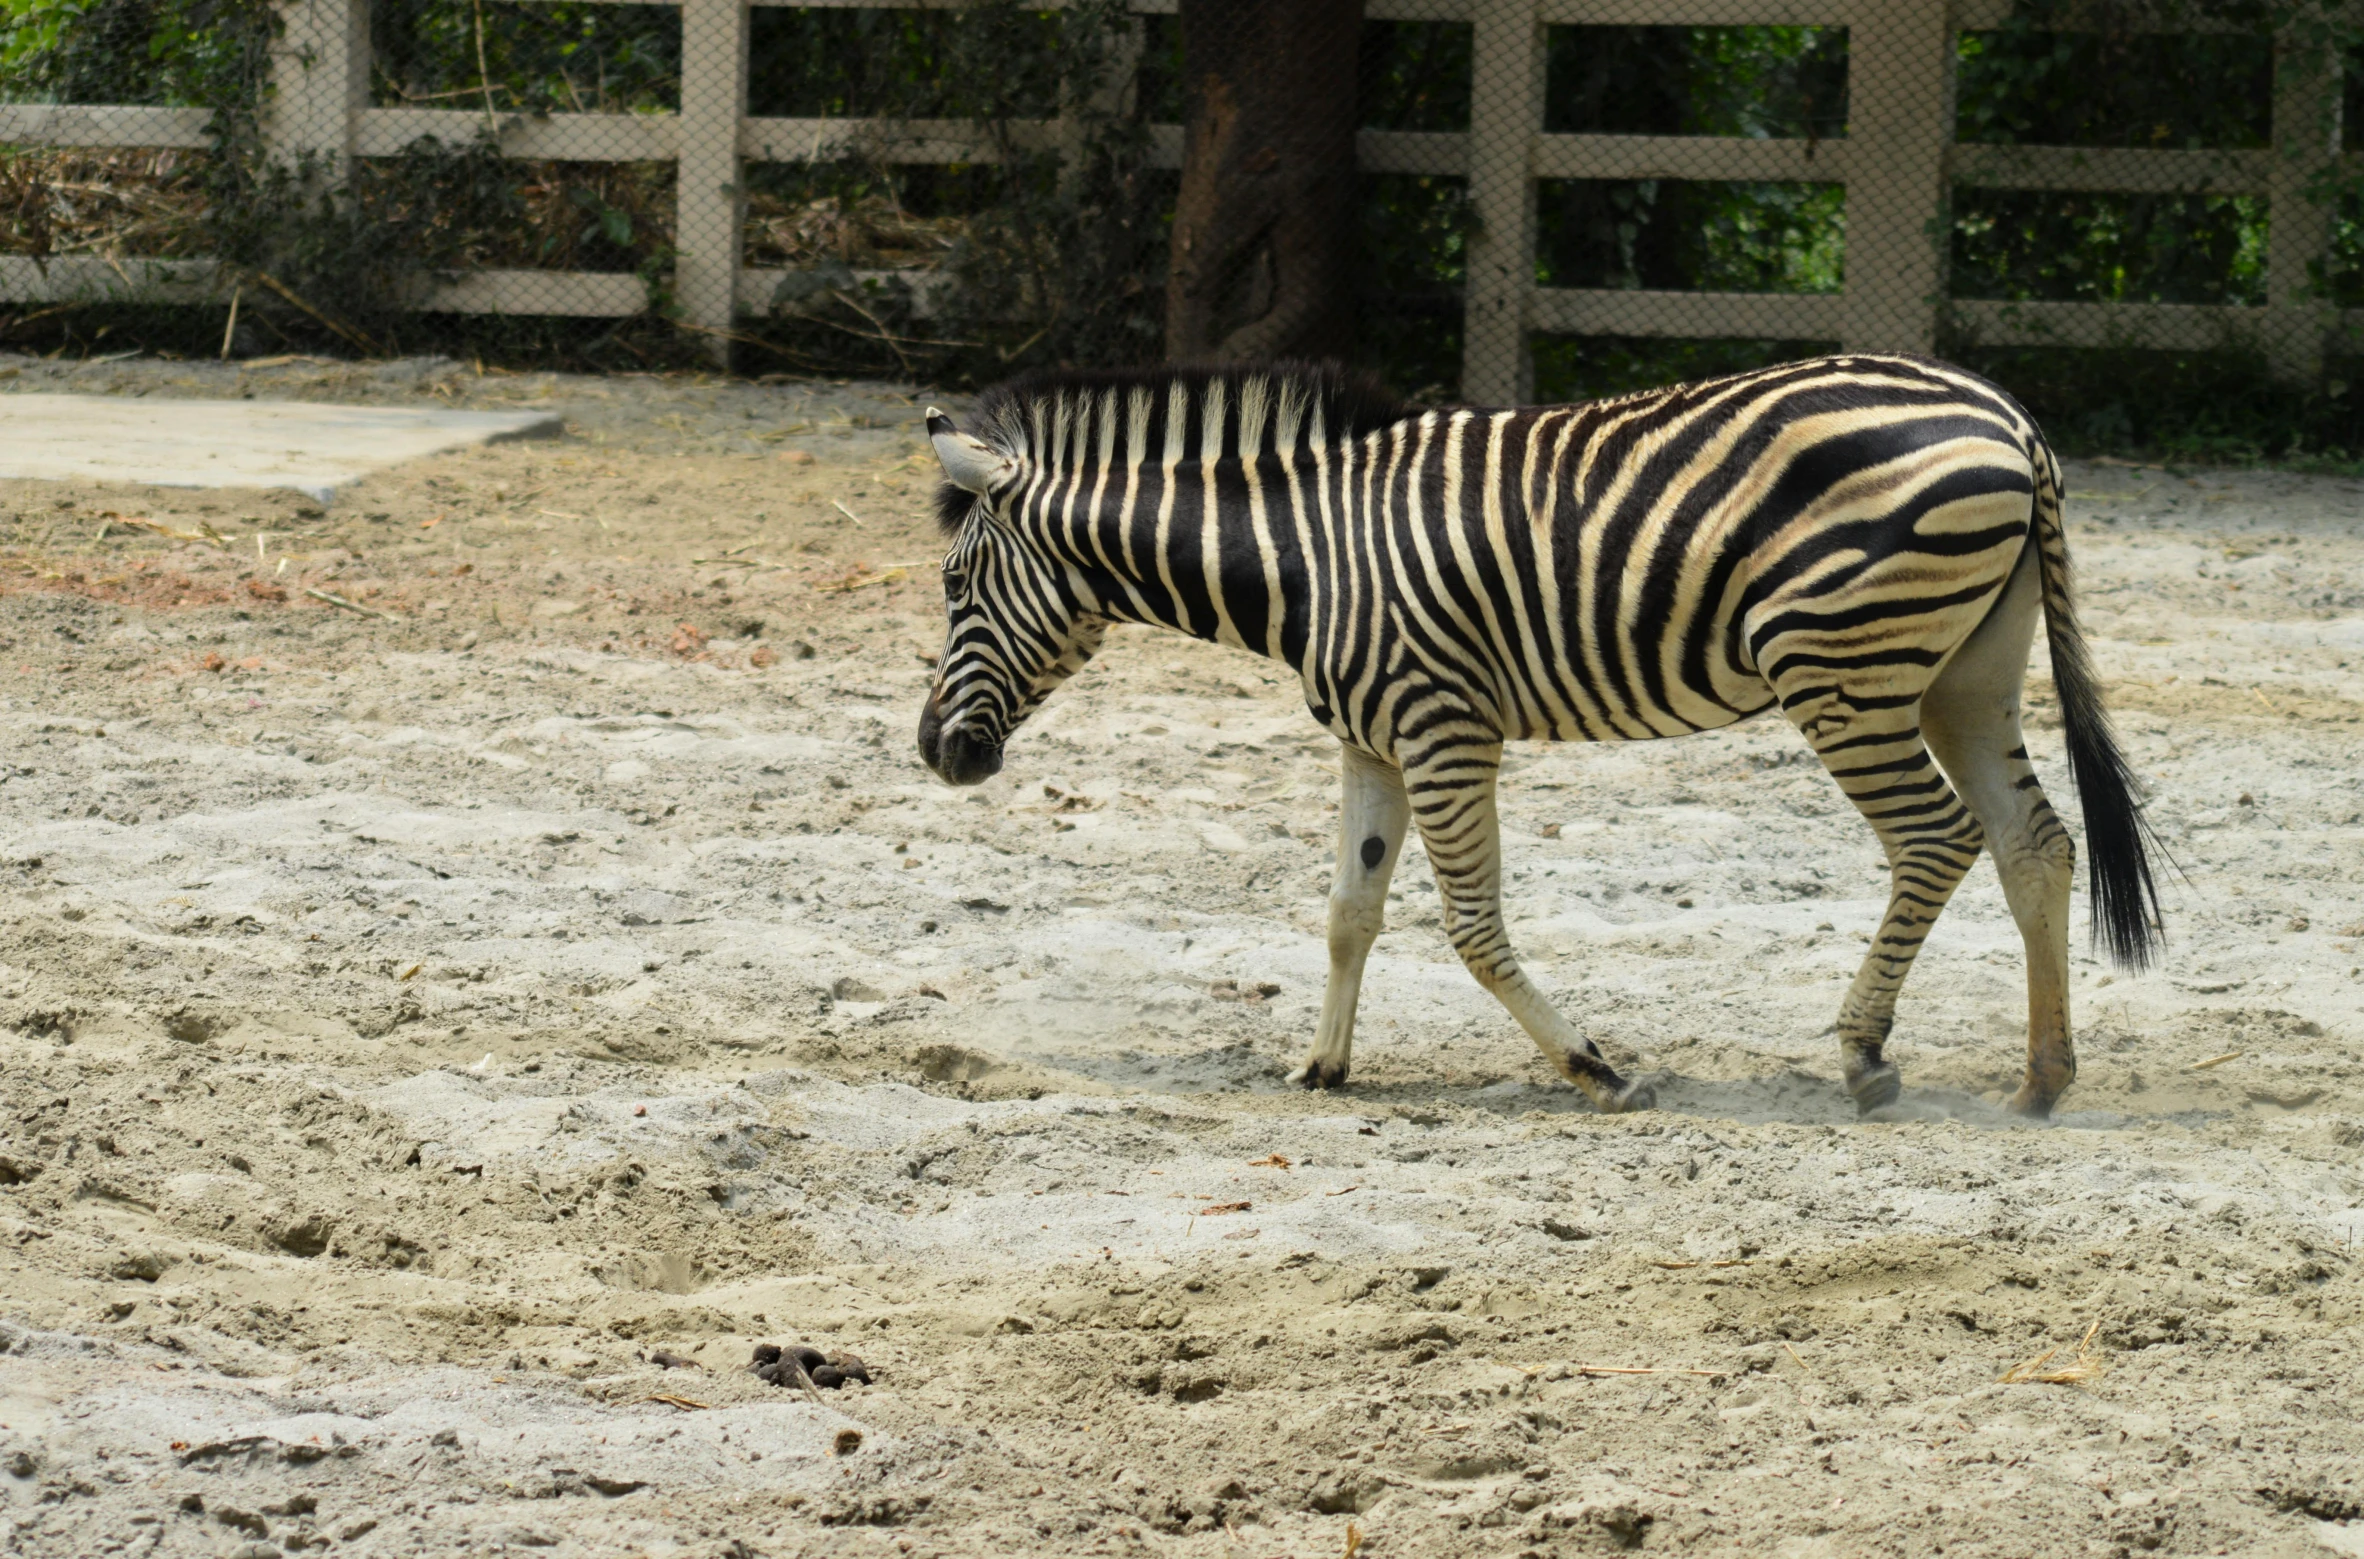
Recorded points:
(305,445)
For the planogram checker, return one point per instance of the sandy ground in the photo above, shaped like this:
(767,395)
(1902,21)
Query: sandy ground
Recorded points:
(422,1012)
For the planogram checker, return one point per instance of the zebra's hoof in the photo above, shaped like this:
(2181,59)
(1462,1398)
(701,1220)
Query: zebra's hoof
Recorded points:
(2029,1103)
(1320,1074)
(1636,1095)
(1876,1089)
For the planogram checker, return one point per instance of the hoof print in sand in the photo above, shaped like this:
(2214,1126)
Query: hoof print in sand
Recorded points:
(832,1370)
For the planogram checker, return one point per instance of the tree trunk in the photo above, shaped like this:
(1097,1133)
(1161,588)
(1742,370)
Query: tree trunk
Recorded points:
(1264,231)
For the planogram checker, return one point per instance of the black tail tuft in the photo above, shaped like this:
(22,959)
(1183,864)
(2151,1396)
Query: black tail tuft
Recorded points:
(2125,899)
(2118,837)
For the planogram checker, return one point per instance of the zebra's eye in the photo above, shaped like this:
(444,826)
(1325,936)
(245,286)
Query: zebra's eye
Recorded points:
(956,583)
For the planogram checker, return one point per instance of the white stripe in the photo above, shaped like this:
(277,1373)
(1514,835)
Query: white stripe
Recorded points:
(1210,536)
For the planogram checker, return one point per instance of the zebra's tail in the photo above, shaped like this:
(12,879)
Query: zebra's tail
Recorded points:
(2118,837)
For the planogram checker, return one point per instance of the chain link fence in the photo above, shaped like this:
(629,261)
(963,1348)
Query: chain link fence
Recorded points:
(2141,216)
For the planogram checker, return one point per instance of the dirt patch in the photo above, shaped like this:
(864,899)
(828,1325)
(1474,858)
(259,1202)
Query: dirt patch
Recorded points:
(491,946)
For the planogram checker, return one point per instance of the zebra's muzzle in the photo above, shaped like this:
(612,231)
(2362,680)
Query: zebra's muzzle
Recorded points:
(963,759)
(957,756)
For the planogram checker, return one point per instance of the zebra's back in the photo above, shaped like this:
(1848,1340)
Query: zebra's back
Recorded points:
(1666,562)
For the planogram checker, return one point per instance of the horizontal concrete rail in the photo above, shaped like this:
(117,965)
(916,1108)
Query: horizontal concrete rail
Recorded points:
(381,132)
(86,278)
(2109,168)
(568,294)
(2161,326)
(80,124)
(1687,157)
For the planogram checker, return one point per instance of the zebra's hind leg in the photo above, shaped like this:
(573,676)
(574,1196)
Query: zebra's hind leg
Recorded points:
(1452,796)
(1372,815)
(1971,715)
(1879,759)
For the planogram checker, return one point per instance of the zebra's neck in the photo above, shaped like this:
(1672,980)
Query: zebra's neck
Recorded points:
(1187,500)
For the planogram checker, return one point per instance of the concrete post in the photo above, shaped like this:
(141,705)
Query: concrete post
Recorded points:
(1901,123)
(1506,115)
(708,199)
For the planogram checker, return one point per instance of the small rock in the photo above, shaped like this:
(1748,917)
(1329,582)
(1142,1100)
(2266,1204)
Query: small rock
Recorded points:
(243,1520)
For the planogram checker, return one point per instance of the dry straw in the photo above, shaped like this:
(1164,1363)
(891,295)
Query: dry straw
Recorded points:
(2075,1372)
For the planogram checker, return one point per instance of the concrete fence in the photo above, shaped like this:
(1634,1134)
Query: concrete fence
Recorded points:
(1898,163)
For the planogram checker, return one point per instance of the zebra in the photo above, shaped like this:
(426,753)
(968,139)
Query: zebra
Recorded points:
(1864,541)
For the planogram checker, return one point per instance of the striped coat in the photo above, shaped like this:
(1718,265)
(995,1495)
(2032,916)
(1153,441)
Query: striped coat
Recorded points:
(1867,543)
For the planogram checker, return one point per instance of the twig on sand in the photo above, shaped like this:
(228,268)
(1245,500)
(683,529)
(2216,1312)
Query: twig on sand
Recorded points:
(1802,1364)
(1620,1369)
(171,533)
(803,1379)
(333,599)
(2230,1055)
(2076,1372)
(334,325)
(848,513)
(862,581)
(686,1404)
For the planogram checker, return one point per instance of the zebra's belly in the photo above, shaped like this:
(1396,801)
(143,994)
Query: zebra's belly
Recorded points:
(1639,720)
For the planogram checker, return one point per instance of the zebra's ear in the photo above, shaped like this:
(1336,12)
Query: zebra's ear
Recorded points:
(969,463)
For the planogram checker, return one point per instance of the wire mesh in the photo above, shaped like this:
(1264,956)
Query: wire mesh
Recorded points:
(2128,212)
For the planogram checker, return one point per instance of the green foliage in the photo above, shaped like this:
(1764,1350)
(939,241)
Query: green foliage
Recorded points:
(993,62)
(173,53)
(1414,75)
(2025,245)
(1680,235)
(1408,283)
(538,57)
(1759,82)
(2160,90)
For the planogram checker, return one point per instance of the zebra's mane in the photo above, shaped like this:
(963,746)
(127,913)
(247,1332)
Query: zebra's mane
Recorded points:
(1056,418)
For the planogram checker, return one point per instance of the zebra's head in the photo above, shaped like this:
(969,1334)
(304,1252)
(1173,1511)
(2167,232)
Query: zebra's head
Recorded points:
(1015,628)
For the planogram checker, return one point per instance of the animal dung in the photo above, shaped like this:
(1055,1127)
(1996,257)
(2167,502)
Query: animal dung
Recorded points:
(780,1366)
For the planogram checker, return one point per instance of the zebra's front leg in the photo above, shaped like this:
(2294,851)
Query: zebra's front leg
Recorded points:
(1372,815)
(1452,796)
